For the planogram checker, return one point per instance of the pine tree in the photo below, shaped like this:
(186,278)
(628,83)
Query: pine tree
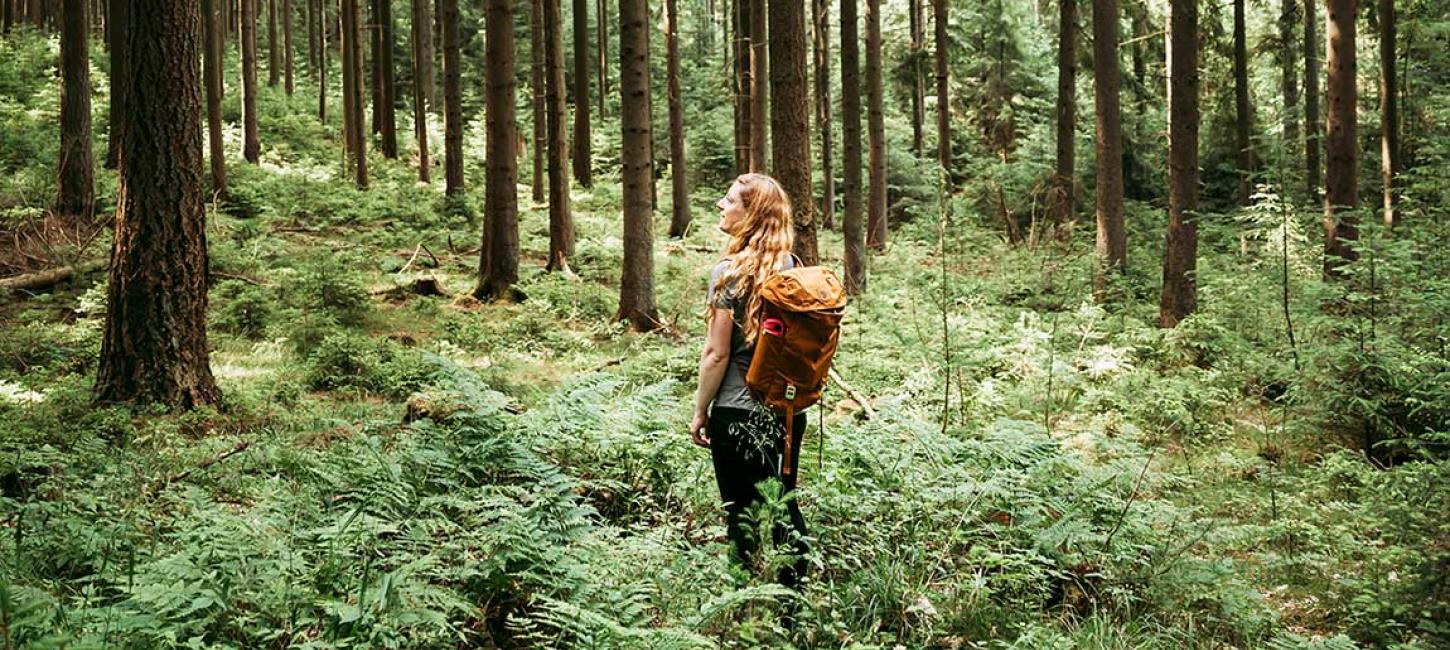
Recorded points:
(561,223)
(1112,241)
(422,36)
(251,147)
(1180,255)
(1063,197)
(854,259)
(875,131)
(636,286)
(679,190)
(1341,188)
(582,159)
(498,267)
(452,100)
(211,60)
(76,196)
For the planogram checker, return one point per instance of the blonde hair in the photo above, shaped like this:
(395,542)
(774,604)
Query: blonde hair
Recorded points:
(759,247)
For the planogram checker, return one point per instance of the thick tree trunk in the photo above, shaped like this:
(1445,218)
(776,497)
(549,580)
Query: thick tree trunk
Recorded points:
(821,13)
(744,84)
(679,189)
(251,147)
(1289,81)
(943,99)
(637,284)
(1244,115)
(1063,198)
(582,157)
(1341,188)
(76,193)
(854,259)
(536,96)
(1180,254)
(387,112)
(561,222)
(1389,110)
(422,33)
(498,264)
(212,70)
(274,60)
(1112,239)
(875,131)
(353,89)
(918,79)
(117,12)
(452,100)
(759,87)
(1313,128)
(790,120)
(287,52)
(154,347)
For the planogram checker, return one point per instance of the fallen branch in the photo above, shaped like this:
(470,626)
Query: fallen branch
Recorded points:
(181,476)
(1108,541)
(855,394)
(47,278)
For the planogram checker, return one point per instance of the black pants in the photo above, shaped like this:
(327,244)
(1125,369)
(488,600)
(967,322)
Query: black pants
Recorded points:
(746,448)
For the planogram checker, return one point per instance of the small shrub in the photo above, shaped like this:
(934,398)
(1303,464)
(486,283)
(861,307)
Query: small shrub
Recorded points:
(241,308)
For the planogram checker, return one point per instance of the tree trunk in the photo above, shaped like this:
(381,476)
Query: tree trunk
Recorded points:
(581,148)
(211,60)
(854,258)
(372,31)
(759,87)
(312,23)
(744,86)
(918,81)
(943,99)
(1289,81)
(251,148)
(1341,189)
(422,33)
(637,284)
(322,24)
(154,347)
(7,7)
(452,100)
(1112,241)
(680,193)
(498,264)
(875,131)
(1313,128)
(386,112)
(1180,254)
(821,13)
(1389,110)
(1244,116)
(274,61)
(1064,192)
(76,194)
(117,12)
(790,120)
(601,40)
(353,88)
(561,223)
(536,95)
(287,46)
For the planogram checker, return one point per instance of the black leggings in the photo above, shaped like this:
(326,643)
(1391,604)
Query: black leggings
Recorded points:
(746,447)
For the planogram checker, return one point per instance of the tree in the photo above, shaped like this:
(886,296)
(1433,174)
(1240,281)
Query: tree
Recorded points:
(680,192)
(251,148)
(287,45)
(943,103)
(116,21)
(1313,129)
(854,257)
(452,101)
(581,93)
(1289,79)
(76,195)
(498,263)
(1112,239)
(821,13)
(385,112)
(322,24)
(790,120)
(212,70)
(744,86)
(1244,115)
(274,61)
(1180,255)
(601,40)
(759,86)
(1341,189)
(1389,110)
(637,284)
(875,131)
(422,34)
(154,346)
(352,90)
(561,223)
(918,80)
(536,95)
(1063,196)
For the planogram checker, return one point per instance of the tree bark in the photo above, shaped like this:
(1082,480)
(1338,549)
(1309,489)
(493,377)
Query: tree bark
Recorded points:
(601,40)
(1112,241)
(274,60)
(76,192)
(498,267)
(322,23)
(117,13)
(211,60)
(1180,256)
(744,86)
(251,148)
(387,113)
(582,157)
(637,285)
(422,33)
(1064,191)
(854,258)
(680,192)
(536,96)
(943,99)
(759,87)
(875,131)
(1389,110)
(1341,189)
(312,23)
(918,81)
(790,120)
(353,89)
(1244,115)
(452,101)
(561,223)
(154,347)
(372,31)
(821,13)
(287,52)
(1313,128)
(1289,80)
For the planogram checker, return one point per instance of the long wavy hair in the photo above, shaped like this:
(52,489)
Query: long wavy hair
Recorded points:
(759,247)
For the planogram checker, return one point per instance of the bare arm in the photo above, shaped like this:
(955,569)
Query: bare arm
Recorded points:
(713,360)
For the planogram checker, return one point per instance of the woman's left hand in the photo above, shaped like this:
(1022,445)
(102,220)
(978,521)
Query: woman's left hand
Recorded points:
(697,430)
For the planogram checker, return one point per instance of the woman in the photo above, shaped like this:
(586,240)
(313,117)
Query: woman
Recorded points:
(745,439)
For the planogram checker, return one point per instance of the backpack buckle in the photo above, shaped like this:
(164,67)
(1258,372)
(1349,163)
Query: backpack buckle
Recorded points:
(789,392)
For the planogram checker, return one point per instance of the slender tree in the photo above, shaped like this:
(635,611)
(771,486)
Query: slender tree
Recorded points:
(821,13)
(387,81)
(251,147)
(422,34)
(854,258)
(759,86)
(1064,186)
(744,85)
(154,346)
(1313,128)
(680,192)
(76,195)
(601,40)
(561,222)
(1180,256)
(536,96)
(918,77)
(312,23)
(452,101)
(1389,110)
(1289,79)
(1244,114)
(943,99)
(287,52)
(212,70)
(372,30)
(117,12)
(322,24)
(1341,188)
(1112,239)
(875,131)
(352,88)
(582,157)
(637,285)
(274,60)
(790,120)
(498,264)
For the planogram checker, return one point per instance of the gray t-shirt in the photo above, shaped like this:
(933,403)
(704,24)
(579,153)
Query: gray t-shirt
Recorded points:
(732,393)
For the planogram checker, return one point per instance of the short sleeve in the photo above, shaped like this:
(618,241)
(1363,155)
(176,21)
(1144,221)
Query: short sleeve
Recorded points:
(725,298)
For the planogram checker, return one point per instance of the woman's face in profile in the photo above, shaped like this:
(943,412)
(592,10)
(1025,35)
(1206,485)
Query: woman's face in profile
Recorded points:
(732,210)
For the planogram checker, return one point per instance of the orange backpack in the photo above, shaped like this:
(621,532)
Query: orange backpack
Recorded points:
(801,310)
